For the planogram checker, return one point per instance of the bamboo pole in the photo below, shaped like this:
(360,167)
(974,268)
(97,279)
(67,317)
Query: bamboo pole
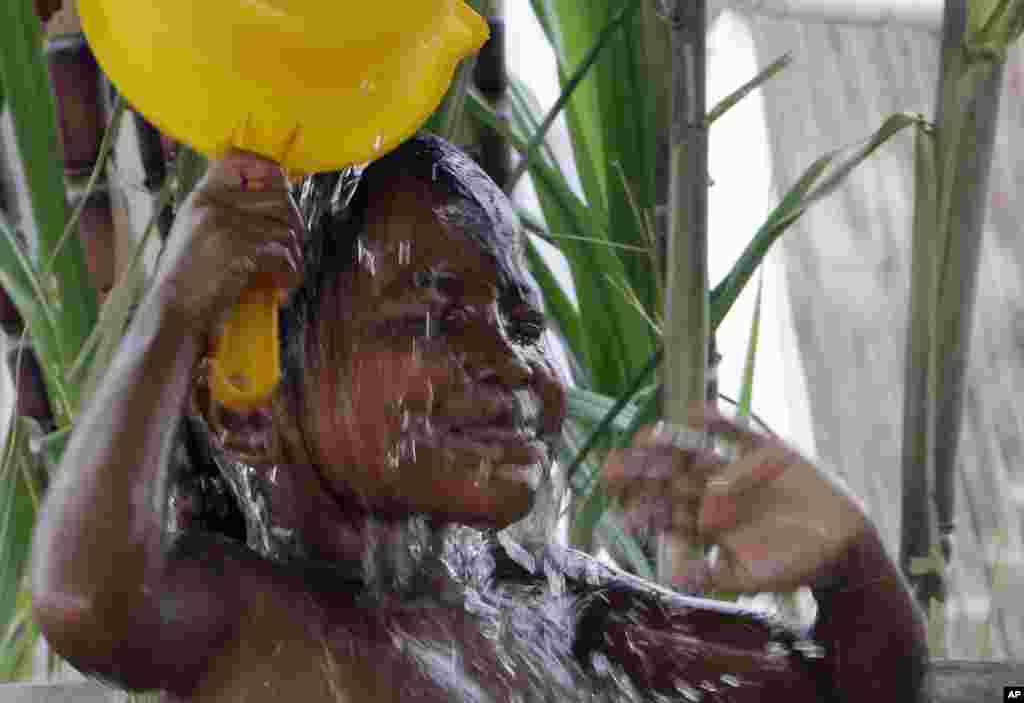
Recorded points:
(75,80)
(968,188)
(687,319)
(966,117)
(917,520)
(152,146)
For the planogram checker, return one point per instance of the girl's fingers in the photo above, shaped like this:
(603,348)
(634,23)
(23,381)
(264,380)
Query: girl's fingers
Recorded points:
(634,464)
(726,573)
(693,576)
(271,203)
(664,473)
(727,489)
(683,521)
(279,263)
(648,511)
(245,170)
(708,419)
(764,464)
(658,483)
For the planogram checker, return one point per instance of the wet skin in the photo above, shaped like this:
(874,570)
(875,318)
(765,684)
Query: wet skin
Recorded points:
(444,392)
(433,400)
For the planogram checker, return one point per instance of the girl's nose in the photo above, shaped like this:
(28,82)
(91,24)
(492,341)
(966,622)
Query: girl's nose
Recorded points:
(492,357)
(508,370)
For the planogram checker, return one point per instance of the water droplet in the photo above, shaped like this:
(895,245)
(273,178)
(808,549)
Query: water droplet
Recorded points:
(600,664)
(404,253)
(810,649)
(689,692)
(393,457)
(483,472)
(378,142)
(731,680)
(776,649)
(282,533)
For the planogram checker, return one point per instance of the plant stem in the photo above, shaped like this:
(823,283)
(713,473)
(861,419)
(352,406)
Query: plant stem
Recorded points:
(958,272)
(968,105)
(490,75)
(917,528)
(687,325)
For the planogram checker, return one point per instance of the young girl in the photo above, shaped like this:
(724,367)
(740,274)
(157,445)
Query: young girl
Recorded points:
(341,544)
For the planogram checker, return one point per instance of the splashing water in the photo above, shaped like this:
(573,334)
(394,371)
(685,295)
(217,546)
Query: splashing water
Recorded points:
(525,604)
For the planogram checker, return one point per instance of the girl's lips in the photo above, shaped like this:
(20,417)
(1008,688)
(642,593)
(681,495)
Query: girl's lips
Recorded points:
(498,441)
(500,446)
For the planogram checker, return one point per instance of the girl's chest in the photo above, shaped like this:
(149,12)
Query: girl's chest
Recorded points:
(303,648)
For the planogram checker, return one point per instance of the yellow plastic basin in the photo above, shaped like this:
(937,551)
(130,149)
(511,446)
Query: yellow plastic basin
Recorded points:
(313,84)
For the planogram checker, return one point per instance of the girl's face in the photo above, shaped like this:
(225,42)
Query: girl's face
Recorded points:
(438,396)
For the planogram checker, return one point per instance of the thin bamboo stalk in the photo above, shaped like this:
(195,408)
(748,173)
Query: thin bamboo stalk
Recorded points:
(154,157)
(917,526)
(75,79)
(151,150)
(31,399)
(96,230)
(687,317)
(490,75)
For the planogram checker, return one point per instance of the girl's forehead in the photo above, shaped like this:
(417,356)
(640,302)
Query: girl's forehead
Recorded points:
(415,236)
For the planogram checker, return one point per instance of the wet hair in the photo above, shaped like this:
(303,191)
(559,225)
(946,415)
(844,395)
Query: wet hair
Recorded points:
(334,207)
